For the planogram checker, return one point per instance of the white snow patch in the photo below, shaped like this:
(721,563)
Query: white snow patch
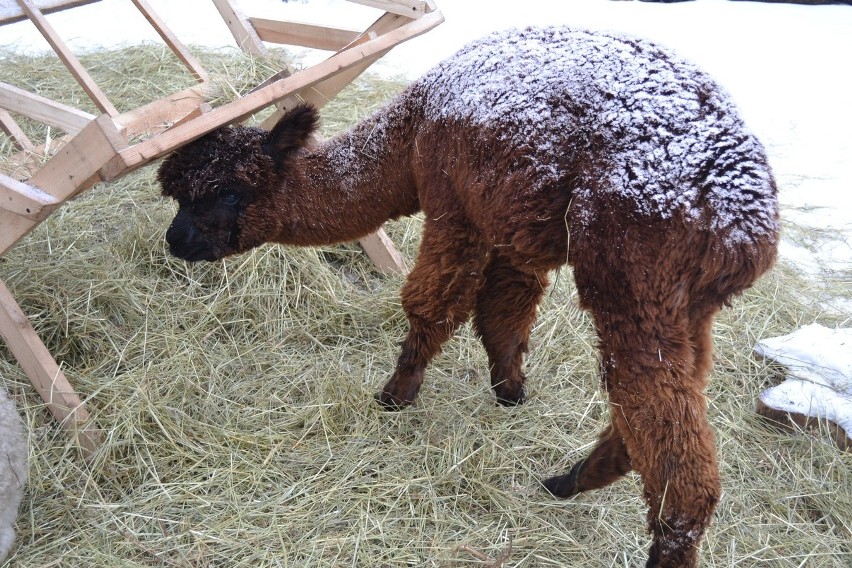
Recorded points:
(818,383)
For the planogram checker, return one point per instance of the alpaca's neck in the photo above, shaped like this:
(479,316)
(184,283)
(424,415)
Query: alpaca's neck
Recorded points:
(349,186)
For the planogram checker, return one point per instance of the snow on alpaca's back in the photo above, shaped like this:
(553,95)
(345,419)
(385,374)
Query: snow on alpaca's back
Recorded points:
(13,470)
(670,138)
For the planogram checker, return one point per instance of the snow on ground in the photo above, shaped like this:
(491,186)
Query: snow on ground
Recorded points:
(819,374)
(787,66)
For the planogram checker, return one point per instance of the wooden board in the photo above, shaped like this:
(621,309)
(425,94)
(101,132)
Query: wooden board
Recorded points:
(46,111)
(792,420)
(54,388)
(244,34)
(25,200)
(178,48)
(68,58)
(407,8)
(13,131)
(11,12)
(304,35)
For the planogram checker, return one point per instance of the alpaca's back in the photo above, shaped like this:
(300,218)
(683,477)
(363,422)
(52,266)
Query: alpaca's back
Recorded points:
(605,118)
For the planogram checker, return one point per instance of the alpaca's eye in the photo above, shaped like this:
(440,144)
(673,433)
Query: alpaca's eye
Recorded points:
(230,199)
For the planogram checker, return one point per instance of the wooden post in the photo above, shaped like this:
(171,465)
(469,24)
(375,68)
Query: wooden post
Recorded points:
(242,30)
(74,168)
(173,42)
(71,62)
(45,375)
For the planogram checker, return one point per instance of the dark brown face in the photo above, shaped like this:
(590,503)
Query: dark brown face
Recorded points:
(229,186)
(214,180)
(208,228)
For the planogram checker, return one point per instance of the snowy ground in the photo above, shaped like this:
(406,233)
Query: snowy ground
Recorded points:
(786,65)
(819,373)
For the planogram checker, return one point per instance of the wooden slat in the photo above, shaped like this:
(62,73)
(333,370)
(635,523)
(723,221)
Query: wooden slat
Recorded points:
(161,114)
(304,35)
(407,8)
(64,117)
(178,48)
(66,173)
(382,252)
(68,58)
(242,30)
(45,374)
(204,108)
(72,169)
(319,94)
(22,165)
(236,111)
(25,200)
(10,12)
(13,131)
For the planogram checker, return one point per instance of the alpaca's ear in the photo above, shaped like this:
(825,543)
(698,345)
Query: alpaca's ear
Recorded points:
(292,132)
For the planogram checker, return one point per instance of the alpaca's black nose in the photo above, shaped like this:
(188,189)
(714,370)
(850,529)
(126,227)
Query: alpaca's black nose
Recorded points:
(180,233)
(187,242)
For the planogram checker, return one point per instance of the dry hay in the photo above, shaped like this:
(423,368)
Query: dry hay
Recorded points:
(236,403)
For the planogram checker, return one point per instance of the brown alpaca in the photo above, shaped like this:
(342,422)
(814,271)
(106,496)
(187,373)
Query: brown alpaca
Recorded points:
(528,150)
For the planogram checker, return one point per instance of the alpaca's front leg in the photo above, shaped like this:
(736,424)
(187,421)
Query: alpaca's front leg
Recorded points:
(437,297)
(505,314)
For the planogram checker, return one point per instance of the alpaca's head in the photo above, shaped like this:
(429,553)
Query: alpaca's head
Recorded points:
(229,185)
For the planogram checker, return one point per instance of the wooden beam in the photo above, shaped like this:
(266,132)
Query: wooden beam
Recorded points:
(407,8)
(321,93)
(66,174)
(198,111)
(46,376)
(25,200)
(14,132)
(304,35)
(22,165)
(242,30)
(236,111)
(161,114)
(64,117)
(9,12)
(178,48)
(75,167)
(68,58)
(381,250)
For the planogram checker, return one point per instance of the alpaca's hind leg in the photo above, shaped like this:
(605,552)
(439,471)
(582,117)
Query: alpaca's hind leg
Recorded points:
(660,410)
(701,327)
(604,465)
(609,460)
(437,297)
(504,316)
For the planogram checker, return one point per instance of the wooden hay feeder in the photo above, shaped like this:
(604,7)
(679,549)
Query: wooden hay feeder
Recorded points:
(98,148)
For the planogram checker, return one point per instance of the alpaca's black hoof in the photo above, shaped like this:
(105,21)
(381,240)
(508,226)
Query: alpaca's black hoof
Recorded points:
(564,485)
(389,402)
(510,400)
